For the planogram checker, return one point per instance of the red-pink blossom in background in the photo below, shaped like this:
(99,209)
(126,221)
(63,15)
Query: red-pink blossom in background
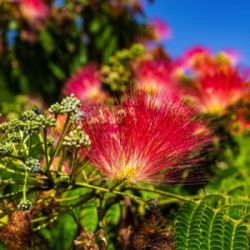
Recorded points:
(160,30)
(138,141)
(217,90)
(33,10)
(85,84)
(201,60)
(194,57)
(154,77)
(196,51)
(232,55)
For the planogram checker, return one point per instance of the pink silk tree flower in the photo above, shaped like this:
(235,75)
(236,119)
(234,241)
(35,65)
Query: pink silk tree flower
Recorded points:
(159,30)
(141,141)
(86,84)
(154,78)
(201,60)
(233,56)
(197,58)
(218,90)
(33,10)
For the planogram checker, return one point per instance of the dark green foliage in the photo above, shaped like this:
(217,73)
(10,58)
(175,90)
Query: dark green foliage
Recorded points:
(88,216)
(61,235)
(38,59)
(199,226)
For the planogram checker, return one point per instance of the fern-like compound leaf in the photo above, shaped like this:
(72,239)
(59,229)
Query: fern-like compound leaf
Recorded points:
(200,227)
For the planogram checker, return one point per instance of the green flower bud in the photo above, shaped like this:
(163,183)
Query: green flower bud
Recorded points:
(70,104)
(15,137)
(6,149)
(24,205)
(77,139)
(32,165)
(3,127)
(55,108)
(15,125)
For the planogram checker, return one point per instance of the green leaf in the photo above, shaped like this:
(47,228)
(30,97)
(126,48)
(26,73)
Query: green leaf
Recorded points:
(2,247)
(200,227)
(47,41)
(95,25)
(57,71)
(61,236)
(88,216)
(113,214)
(110,48)
(103,38)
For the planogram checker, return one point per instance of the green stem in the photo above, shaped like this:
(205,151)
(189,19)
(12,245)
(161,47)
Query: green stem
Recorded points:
(25,186)
(16,157)
(168,201)
(54,127)
(65,128)
(44,217)
(9,170)
(2,167)
(117,184)
(10,181)
(68,198)
(161,192)
(61,157)
(101,189)
(21,143)
(46,149)
(4,196)
(29,146)
(73,167)
(26,173)
(53,219)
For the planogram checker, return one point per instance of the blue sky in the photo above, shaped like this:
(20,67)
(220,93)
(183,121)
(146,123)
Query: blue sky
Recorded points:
(217,24)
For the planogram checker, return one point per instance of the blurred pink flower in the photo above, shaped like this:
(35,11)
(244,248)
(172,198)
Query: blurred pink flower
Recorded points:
(33,10)
(195,54)
(232,55)
(241,122)
(160,30)
(85,84)
(217,90)
(154,77)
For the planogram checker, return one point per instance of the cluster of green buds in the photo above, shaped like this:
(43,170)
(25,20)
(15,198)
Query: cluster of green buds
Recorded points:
(14,125)
(31,122)
(69,104)
(24,205)
(26,140)
(32,165)
(6,149)
(117,73)
(15,137)
(34,121)
(77,139)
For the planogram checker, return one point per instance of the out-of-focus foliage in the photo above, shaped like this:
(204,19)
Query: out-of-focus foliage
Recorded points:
(38,52)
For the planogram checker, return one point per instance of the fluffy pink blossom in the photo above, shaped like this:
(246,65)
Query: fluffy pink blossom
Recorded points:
(85,84)
(201,60)
(195,58)
(138,141)
(154,77)
(219,89)
(196,51)
(159,29)
(33,10)
(232,55)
